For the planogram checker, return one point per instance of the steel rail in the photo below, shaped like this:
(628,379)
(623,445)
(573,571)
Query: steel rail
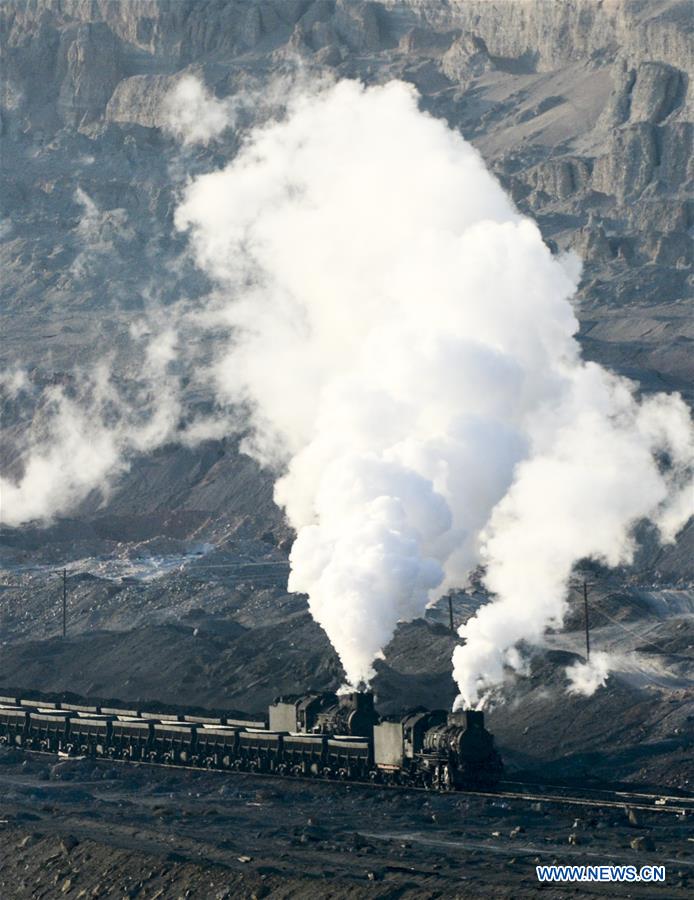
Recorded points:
(614,793)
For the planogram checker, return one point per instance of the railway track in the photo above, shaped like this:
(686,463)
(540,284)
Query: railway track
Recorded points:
(348,759)
(618,800)
(620,796)
(613,799)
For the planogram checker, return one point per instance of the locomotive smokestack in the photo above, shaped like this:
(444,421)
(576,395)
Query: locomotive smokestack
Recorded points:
(361,714)
(470,718)
(358,700)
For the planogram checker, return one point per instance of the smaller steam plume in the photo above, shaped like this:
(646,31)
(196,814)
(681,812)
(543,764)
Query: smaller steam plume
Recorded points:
(82,435)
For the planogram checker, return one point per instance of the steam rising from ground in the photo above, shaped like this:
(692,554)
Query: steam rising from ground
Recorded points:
(402,343)
(585,678)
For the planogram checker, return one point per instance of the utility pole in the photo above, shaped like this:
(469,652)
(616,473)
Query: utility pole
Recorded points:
(64,602)
(450,612)
(585,609)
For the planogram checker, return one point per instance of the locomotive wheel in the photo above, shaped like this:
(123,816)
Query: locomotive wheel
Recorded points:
(443,779)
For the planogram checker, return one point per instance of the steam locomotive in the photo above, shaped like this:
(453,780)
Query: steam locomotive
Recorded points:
(313,735)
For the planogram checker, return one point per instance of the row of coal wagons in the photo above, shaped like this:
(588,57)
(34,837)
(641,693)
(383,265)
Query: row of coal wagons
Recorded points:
(119,733)
(247,745)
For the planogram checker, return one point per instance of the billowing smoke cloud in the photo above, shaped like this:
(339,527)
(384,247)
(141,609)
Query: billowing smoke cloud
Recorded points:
(193,114)
(13,381)
(403,342)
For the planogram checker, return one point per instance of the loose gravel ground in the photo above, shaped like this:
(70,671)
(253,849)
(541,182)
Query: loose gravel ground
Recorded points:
(81,829)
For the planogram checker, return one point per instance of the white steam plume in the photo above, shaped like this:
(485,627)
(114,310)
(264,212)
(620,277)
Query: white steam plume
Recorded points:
(592,476)
(404,343)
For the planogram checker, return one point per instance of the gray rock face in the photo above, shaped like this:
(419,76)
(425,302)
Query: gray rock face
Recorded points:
(467,56)
(92,71)
(582,109)
(138,100)
(357,24)
(560,32)
(656,91)
(628,166)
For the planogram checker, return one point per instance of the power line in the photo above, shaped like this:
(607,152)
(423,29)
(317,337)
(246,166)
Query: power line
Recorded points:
(641,639)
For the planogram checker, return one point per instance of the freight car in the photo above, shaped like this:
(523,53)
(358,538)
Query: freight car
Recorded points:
(313,735)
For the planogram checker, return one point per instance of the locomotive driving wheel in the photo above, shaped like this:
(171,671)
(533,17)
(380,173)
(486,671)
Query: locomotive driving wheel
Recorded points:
(426,781)
(444,780)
